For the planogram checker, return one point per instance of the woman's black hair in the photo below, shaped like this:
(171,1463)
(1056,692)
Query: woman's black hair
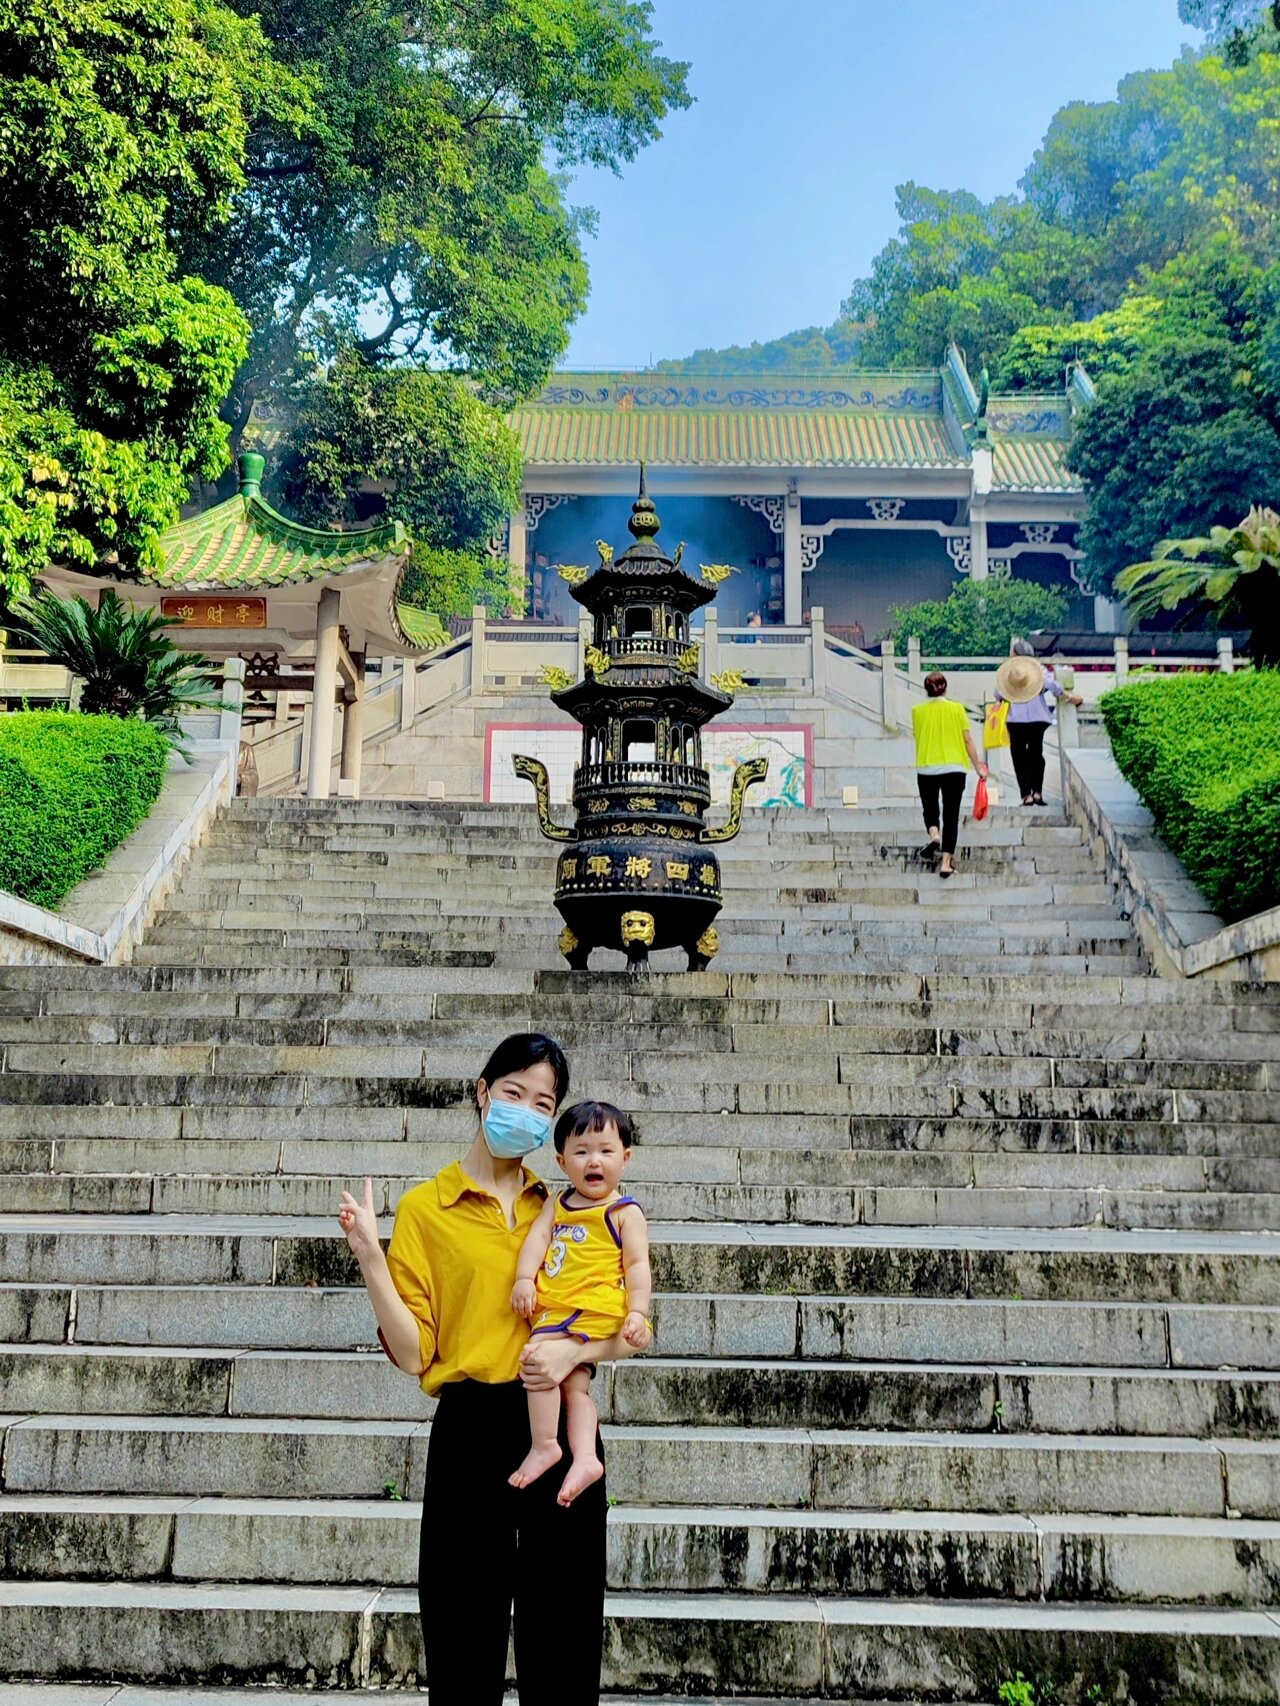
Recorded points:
(594,1116)
(517,1053)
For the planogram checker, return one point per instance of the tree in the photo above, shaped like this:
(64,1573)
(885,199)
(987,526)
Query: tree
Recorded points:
(978,618)
(127,664)
(421,447)
(415,217)
(1036,357)
(813,350)
(437,457)
(1234,575)
(119,120)
(1185,437)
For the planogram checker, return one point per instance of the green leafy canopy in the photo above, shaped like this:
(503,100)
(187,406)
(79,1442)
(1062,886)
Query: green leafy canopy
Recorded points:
(119,121)
(979,618)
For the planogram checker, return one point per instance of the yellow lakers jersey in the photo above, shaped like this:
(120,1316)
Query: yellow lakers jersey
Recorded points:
(583,1266)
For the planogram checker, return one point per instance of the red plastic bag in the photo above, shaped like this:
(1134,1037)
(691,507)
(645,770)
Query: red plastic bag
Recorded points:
(981,805)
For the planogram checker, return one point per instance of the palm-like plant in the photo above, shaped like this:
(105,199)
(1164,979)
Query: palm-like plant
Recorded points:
(1235,573)
(127,664)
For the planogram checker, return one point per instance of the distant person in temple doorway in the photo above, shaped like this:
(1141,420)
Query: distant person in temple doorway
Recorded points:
(945,747)
(1031,692)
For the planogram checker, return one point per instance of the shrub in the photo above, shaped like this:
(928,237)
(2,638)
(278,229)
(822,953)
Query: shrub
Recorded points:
(1201,751)
(71,788)
(979,618)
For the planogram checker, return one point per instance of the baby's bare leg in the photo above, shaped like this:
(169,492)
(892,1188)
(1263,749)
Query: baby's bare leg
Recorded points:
(582,1421)
(544,1425)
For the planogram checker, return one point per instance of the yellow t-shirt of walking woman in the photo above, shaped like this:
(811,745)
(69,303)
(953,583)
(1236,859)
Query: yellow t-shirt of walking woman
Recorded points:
(939,726)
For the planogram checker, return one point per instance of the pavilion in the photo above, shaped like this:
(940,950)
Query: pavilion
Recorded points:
(849,491)
(304,607)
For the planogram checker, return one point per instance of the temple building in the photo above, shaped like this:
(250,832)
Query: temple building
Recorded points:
(850,492)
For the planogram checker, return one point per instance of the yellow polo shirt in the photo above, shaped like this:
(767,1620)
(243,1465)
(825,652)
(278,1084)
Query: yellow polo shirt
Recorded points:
(453,1261)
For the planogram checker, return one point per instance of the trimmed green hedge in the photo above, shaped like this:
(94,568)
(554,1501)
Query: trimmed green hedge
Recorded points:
(1203,751)
(71,788)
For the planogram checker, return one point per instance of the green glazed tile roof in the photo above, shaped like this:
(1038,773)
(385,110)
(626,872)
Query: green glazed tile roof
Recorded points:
(1032,465)
(244,544)
(708,438)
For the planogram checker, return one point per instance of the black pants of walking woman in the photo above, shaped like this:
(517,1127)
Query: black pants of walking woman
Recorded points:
(486,1545)
(949,788)
(1026,748)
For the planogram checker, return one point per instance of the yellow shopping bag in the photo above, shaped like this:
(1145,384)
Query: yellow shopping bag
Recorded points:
(995,731)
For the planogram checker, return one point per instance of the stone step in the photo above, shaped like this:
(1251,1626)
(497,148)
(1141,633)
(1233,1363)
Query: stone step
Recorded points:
(764,1393)
(1251,1007)
(667,1464)
(811,1205)
(1068,1264)
(395,1164)
(848,1649)
(1239,1058)
(793,1147)
(953,1555)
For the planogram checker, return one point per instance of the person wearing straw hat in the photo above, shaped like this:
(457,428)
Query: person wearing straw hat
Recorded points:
(1023,682)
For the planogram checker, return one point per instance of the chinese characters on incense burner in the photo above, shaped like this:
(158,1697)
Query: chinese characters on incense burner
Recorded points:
(639,876)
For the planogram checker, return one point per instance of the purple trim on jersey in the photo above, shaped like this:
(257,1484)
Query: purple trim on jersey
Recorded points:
(565,1327)
(622,1202)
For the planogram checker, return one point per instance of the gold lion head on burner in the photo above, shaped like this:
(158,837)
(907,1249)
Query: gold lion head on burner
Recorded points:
(637,927)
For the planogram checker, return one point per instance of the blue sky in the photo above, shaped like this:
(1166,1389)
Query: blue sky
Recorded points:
(765,200)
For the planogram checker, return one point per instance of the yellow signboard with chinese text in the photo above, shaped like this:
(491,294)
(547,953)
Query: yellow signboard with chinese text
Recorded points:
(218,612)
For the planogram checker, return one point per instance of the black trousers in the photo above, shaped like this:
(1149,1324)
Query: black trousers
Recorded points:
(486,1545)
(1026,748)
(949,789)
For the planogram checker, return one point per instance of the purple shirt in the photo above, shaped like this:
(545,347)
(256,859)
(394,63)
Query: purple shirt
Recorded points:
(1036,710)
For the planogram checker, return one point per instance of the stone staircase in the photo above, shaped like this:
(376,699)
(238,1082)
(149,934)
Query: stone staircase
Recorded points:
(969,1312)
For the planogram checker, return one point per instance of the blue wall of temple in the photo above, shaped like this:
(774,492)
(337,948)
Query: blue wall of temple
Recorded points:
(715,530)
(861,575)
(1049,568)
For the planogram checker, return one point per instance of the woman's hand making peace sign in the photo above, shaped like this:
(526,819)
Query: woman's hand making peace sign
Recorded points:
(359,1220)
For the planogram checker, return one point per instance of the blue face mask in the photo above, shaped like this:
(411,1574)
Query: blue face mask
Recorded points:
(512,1130)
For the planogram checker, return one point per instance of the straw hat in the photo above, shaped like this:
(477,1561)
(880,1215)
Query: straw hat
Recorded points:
(1020,679)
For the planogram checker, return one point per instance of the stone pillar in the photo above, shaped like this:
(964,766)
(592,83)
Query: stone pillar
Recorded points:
(711,645)
(353,735)
(232,704)
(978,544)
(323,695)
(478,614)
(518,557)
(792,578)
(1226,656)
(888,682)
(1121,659)
(818,651)
(408,693)
(915,669)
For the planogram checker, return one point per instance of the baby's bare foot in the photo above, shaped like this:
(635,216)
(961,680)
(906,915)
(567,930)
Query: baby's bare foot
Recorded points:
(540,1459)
(583,1473)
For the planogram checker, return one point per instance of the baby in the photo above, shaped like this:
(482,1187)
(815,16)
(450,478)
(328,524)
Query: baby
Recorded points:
(583,1274)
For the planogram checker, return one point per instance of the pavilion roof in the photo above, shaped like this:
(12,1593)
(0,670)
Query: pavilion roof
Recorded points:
(1032,465)
(243,545)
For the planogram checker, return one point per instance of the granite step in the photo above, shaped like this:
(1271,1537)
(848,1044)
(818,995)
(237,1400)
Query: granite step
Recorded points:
(760,1393)
(700,1549)
(845,1649)
(1092,1264)
(666,1464)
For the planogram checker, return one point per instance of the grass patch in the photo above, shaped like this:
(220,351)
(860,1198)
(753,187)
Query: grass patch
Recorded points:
(71,788)
(1203,751)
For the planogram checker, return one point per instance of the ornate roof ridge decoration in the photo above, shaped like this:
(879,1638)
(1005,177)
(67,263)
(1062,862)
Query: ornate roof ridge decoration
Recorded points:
(911,389)
(329,544)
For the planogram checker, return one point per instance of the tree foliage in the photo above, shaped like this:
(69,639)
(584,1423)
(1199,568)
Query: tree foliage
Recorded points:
(120,121)
(416,216)
(979,618)
(1232,576)
(813,350)
(1184,436)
